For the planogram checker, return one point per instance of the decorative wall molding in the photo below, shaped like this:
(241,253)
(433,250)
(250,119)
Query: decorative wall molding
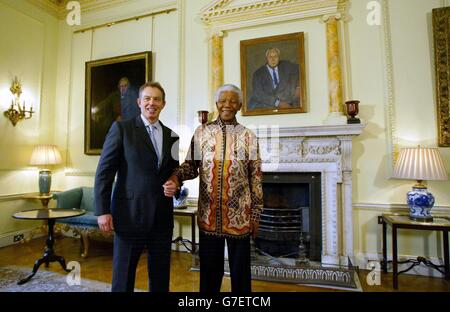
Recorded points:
(78,173)
(53,7)
(391,208)
(93,26)
(389,94)
(231,14)
(7,239)
(11,197)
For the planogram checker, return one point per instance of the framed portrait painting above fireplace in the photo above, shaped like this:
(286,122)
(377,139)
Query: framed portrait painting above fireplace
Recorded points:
(273,75)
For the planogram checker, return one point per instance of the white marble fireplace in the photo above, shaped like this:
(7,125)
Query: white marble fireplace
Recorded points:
(327,150)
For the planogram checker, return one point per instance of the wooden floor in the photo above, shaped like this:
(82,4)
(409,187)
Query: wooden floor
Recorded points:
(98,266)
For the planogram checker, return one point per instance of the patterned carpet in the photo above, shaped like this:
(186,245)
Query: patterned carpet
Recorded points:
(44,281)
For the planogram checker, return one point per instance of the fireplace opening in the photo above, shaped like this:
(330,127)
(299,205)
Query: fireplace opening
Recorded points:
(291,220)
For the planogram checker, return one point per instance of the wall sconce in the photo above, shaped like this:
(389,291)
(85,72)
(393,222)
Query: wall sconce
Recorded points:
(15,112)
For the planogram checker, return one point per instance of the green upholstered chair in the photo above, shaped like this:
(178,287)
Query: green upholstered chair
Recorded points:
(86,225)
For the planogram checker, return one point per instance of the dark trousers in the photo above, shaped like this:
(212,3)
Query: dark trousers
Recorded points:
(127,251)
(211,251)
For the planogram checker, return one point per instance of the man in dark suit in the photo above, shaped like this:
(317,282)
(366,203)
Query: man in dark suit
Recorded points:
(275,84)
(144,154)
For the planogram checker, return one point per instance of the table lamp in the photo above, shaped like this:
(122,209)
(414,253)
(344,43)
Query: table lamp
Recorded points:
(45,155)
(420,164)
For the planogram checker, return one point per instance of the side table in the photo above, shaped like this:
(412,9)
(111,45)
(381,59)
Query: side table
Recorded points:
(192,213)
(439,223)
(50,215)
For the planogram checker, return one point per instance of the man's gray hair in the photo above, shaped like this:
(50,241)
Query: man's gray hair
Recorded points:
(228,87)
(272,49)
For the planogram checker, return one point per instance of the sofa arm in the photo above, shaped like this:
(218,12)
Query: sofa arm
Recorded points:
(68,199)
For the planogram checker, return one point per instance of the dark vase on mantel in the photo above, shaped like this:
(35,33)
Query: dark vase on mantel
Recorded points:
(203,116)
(352,111)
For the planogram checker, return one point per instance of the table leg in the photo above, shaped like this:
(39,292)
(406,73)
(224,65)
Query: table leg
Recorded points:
(394,257)
(49,254)
(45,202)
(384,248)
(36,266)
(193,234)
(446,255)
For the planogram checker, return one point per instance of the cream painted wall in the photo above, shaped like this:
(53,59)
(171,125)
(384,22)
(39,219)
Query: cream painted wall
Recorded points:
(415,118)
(181,57)
(158,34)
(34,31)
(29,46)
(414,101)
(195,77)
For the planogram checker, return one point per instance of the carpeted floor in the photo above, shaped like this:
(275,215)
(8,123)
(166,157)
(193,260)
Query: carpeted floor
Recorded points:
(44,281)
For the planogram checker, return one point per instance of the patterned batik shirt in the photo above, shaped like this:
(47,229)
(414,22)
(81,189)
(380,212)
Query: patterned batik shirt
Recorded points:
(226,159)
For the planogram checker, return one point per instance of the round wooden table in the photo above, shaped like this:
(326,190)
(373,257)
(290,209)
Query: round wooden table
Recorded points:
(50,215)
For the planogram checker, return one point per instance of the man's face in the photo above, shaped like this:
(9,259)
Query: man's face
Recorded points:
(228,105)
(123,85)
(151,103)
(273,58)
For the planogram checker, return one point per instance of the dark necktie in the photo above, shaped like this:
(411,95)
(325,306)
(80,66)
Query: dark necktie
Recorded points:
(275,78)
(151,130)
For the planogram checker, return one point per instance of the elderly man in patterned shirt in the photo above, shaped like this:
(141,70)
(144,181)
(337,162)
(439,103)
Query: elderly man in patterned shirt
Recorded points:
(225,155)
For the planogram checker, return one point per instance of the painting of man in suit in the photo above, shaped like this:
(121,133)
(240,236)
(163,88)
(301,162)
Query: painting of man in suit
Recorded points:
(273,75)
(276,83)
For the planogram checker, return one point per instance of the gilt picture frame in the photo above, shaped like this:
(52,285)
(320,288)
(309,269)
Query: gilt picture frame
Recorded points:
(441,33)
(273,75)
(106,96)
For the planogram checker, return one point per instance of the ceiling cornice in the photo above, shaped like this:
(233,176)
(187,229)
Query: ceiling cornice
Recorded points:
(230,14)
(57,8)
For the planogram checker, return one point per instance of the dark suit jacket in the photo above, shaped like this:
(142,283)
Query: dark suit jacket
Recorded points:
(265,96)
(137,203)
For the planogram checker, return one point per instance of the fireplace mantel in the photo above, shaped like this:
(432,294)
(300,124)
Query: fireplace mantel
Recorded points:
(328,150)
(316,131)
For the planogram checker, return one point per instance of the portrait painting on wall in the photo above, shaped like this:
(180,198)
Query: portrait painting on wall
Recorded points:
(273,75)
(112,87)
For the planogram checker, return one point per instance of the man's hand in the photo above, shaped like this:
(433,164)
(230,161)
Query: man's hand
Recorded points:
(105,223)
(171,186)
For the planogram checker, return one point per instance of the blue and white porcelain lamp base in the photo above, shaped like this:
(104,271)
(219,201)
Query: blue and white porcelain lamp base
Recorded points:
(45,181)
(420,202)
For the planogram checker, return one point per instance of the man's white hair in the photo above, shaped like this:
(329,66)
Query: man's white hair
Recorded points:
(272,49)
(228,87)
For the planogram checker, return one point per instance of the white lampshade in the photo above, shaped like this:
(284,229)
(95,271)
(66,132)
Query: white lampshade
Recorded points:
(45,155)
(420,164)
